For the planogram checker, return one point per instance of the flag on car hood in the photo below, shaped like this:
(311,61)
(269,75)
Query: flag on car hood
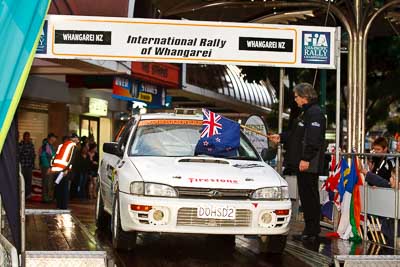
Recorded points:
(220,137)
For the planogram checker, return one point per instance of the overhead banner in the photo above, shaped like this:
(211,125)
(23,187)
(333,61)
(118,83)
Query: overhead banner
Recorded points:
(181,41)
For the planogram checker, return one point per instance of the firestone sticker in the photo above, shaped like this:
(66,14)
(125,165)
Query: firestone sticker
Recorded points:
(212,180)
(315,47)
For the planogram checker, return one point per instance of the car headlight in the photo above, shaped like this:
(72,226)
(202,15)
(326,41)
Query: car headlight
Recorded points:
(137,188)
(285,192)
(271,193)
(153,189)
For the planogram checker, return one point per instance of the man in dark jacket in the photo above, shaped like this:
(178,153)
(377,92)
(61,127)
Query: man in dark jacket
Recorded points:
(305,143)
(27,160)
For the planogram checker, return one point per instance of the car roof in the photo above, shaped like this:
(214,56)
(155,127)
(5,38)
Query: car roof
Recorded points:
(158,116)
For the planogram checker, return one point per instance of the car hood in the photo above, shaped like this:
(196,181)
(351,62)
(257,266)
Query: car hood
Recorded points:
(207,172)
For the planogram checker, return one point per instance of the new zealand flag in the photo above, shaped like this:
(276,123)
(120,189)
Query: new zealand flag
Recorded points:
(220,137)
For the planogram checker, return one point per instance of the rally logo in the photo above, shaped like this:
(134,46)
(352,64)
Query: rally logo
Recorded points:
(316,47)
(42,45)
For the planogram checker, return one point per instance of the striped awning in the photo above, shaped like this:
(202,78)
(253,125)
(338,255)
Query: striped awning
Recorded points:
(229,81)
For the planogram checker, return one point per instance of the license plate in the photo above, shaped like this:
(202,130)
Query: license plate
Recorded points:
(216,212)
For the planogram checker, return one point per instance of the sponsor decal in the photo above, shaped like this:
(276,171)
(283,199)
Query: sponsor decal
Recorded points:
(175,122)
(213,180)
(82,37)
(265,44)
(247,166)
(42,45)
(315,47)
(258,141)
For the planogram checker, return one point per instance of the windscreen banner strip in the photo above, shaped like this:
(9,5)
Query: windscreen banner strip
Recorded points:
(172,122)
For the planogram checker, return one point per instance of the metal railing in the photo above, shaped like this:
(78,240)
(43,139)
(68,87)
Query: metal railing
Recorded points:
(387,194)
(8,253)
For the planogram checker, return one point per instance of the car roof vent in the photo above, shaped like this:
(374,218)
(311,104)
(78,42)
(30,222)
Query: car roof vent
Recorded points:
(204,160)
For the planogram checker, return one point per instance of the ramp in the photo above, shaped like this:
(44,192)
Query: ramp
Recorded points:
(367,260)
(56,238)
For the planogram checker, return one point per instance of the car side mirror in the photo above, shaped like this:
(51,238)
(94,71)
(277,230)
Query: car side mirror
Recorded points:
(112,148)
(268,154)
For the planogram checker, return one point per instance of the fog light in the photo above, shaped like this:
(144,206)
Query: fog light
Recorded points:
(158,215)
(266,218)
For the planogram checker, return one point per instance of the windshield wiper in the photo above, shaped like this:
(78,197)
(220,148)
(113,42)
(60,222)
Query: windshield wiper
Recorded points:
(243,158)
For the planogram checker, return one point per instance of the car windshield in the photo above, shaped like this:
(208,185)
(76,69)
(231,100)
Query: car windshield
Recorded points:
(176,141)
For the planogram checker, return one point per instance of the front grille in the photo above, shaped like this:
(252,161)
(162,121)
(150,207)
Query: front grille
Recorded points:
(188,217)
(211,193)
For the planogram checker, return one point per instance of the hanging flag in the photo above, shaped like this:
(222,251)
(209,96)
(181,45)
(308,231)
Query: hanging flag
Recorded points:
(21,26)
(344,177)
(220,137)
(355,208)
(327,207)
(344,229)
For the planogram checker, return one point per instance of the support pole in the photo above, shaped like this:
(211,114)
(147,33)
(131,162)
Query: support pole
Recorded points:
(280,116)
(396,204)
(337,140)
(338,126)
(22,216)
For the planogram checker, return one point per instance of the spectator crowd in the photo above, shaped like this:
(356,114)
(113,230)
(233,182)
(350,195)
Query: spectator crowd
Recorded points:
(81,181)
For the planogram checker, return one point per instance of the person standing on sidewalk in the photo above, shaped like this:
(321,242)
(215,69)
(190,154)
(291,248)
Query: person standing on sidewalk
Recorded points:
(61,166)
(46,153)
(305,143)
(27,159)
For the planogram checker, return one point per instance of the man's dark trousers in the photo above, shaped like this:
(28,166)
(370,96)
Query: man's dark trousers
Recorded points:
(27,173)
(62,192)
(309,196)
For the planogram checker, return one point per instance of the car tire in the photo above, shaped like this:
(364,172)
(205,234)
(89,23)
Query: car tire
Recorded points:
(272,244)
(100,214)
(121,240)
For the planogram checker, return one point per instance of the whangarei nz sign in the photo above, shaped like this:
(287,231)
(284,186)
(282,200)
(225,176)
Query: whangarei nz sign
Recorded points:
(199,42)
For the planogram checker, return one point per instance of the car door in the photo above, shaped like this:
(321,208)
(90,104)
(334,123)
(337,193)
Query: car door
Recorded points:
(110,166)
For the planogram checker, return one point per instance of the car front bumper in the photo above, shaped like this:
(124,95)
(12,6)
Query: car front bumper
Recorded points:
(180,216)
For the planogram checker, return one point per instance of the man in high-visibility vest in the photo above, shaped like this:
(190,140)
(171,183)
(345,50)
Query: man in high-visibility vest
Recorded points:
(61,166)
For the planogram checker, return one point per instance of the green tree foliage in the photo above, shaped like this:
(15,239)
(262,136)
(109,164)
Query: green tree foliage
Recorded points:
(383,79)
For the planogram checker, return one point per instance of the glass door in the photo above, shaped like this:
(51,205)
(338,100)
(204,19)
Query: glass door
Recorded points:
(89,127)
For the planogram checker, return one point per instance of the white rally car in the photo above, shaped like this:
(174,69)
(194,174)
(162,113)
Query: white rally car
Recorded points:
(151,181)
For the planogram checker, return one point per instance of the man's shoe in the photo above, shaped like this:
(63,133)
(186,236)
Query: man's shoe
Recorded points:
(310,237)
(307,237)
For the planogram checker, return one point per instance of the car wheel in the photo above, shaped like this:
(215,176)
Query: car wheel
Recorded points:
(272,244)
(121,240)
(100,215)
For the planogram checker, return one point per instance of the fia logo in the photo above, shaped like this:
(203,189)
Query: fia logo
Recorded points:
(316,47)
(315,39)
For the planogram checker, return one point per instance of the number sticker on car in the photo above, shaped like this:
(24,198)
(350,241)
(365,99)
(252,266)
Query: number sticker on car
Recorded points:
(216,212)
